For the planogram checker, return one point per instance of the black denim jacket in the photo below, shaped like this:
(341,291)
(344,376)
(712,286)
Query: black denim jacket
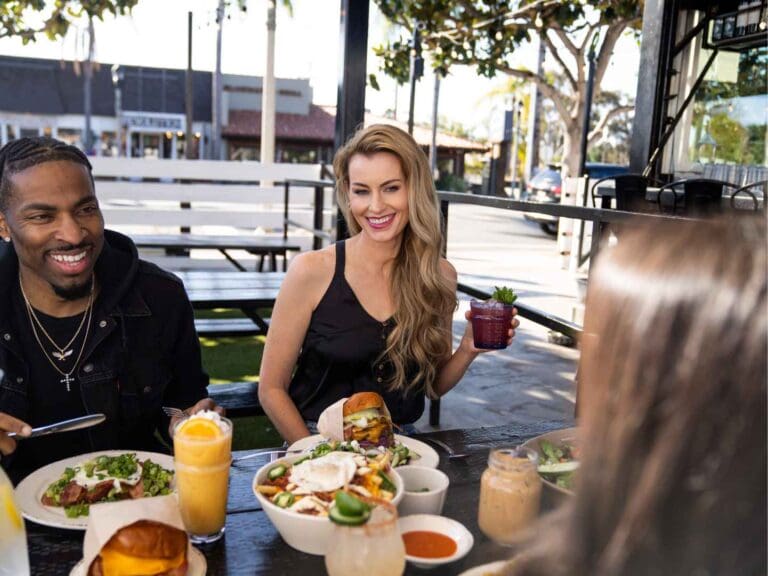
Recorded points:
(144,352)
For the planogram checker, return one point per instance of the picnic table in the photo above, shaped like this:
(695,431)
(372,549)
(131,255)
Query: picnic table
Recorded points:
(245,291)
(263,246)
(252,546)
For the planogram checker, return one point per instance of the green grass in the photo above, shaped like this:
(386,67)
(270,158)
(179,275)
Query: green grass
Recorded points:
(238,359)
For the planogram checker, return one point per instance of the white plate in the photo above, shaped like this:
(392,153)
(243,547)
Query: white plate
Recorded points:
(31,489)
(485,570)
(197,564)
(429,457)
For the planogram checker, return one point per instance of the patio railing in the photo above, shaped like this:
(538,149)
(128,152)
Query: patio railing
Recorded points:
(597,216)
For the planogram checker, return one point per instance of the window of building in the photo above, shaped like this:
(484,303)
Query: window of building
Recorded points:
(730,108)
(724,131)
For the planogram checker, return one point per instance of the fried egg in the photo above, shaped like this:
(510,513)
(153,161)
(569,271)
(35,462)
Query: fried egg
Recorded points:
(324,474)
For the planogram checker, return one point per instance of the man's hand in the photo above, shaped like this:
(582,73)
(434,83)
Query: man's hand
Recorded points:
(204,404)
(11,424)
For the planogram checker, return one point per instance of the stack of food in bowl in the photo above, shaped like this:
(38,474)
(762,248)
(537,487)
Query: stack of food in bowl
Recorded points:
(353,466)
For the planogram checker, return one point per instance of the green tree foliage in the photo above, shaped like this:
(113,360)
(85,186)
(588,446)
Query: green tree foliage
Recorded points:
(29,19)
(486,33)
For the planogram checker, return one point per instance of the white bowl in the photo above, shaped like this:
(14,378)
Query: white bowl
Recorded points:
(431,485)
(442,525)
(310,534)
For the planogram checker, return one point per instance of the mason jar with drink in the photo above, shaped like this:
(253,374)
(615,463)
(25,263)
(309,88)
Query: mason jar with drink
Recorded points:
(510,494)
(202,446)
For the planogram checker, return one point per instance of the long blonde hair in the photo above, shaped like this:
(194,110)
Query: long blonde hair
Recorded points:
(420,339)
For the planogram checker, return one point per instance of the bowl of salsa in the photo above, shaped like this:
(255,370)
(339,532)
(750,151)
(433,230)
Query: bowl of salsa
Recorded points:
(432,540)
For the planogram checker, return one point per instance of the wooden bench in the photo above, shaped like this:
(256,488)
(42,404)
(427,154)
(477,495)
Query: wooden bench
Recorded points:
(224,327)
(205,198)
(239,398)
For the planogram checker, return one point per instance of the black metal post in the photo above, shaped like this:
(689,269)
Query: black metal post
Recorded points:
(350,101)
(286,200)
(659,22)
(417,71)
(587,112)
(434,403)
(317,241)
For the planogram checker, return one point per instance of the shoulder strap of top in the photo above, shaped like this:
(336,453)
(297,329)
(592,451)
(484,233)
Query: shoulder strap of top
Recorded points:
(340,257)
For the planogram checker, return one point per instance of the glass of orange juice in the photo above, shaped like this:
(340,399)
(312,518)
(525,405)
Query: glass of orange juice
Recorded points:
(202,446)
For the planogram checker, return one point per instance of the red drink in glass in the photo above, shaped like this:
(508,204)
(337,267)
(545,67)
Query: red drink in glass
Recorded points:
(490,324)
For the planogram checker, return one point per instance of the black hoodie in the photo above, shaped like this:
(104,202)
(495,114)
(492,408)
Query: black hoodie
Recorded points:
(143,353)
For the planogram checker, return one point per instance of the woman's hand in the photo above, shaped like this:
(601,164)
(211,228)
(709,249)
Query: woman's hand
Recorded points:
(468,340)
(11,424)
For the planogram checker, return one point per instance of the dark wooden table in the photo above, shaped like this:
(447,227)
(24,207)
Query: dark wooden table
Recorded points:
(251,544)
(264,247)
(246,291)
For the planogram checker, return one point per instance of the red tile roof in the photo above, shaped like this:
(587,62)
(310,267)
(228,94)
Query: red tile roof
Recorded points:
(317,125)
(320,123)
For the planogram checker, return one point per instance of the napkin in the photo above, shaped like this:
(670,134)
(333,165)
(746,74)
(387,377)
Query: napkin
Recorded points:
(331,421)
(107,518)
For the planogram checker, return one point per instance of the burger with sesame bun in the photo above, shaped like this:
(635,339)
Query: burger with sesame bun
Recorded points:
(367,420)
(144,548)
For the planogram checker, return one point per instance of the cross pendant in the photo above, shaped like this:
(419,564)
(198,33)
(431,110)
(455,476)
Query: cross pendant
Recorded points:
(67,380)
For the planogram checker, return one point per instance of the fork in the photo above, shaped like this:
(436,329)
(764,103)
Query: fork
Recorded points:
(452,454)
(174,412)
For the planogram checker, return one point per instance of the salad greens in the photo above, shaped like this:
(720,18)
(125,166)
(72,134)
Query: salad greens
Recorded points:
(156,480)
(557,464)
(401,454)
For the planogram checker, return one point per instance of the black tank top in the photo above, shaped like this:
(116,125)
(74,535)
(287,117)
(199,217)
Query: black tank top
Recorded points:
(340,355)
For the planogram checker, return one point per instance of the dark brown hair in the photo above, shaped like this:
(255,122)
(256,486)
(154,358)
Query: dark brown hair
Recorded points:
(673,475)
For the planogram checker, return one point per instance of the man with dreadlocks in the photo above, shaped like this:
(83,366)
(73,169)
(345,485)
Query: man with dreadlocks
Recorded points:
(85,325)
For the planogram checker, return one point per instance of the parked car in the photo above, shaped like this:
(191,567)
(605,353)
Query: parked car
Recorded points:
(547,186)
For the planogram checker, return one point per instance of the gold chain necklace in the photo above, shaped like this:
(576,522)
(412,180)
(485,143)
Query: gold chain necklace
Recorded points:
(61,354)
(67,376)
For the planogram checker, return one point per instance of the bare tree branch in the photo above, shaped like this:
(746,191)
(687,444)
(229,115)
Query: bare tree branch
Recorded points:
(563,37)
(612,35)
(603,122)
(546,88)
(556,55)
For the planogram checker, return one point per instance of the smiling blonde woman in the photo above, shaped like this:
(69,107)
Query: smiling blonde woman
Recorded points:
(374,312)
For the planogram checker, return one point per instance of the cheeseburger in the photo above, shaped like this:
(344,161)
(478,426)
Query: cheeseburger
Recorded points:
(144,548)
(367,420)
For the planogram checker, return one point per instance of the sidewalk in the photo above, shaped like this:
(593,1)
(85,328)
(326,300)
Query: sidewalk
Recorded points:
(532,380)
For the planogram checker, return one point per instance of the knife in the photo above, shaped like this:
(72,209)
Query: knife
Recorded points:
(63,426)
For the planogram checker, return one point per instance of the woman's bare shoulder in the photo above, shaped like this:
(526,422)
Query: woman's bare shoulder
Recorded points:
(312,270)
(448,271)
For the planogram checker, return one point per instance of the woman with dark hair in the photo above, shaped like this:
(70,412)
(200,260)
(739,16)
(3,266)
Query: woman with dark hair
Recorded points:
(373,312)
(673,398)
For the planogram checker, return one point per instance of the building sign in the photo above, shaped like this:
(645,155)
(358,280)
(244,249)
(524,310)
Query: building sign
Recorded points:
(151,122)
